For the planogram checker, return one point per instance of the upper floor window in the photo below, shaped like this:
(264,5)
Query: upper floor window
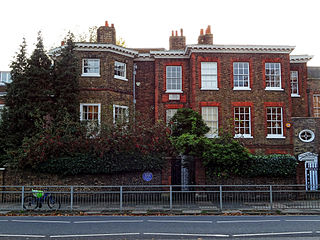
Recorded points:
(210,117)
(120,114)
(316,105)
(169,114)
(294,83)
(273,76)
(241,75)
(274,122)
(209,76)
(242,122)
(174,78)
(120,70)
(91,67)
(5,77)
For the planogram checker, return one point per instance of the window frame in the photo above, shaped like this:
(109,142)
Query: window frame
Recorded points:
(212,75)
(124,71)
(170,109)
(242,135)
(297,83)
(272,135)
(8,77)
(90,104)
(91,74)
(211,134)
(309,131)
(268,88)
(177,90)
(239,75)
(316,105)
(126,112)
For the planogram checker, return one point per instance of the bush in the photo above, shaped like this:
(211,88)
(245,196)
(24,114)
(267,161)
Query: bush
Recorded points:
(271,166)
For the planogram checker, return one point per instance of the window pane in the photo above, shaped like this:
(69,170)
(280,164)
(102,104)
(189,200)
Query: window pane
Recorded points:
(240,74)
(174,78)
(209,75)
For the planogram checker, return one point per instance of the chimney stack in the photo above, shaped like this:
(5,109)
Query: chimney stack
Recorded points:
(206,38)
(177,42)
(106,34)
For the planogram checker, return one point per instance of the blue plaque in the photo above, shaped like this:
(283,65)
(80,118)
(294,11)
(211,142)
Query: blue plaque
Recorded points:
(147,176)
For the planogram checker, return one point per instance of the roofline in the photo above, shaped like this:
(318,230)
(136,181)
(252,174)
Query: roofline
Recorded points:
(300,58)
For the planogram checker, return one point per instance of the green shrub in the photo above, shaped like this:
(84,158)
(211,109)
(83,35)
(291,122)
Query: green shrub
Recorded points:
(275,165)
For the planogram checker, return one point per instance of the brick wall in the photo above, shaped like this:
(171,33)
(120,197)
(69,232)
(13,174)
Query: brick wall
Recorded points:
(106,89)
(258,97)
(14,178)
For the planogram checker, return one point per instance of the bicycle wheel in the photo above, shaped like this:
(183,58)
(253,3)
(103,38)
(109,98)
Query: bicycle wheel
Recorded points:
(53,203)
(30,203)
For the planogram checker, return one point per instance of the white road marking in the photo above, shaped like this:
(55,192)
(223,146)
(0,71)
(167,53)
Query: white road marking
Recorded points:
(39,221)
(111,221)
(94,235)
(189,234)
(303,220)
(248,221)
(15,235)
(270,234)
(178,221)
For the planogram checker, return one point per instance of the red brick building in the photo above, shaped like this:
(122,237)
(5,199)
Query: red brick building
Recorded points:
(257,90)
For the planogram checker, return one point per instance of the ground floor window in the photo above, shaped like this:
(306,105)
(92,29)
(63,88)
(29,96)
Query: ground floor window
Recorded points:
(120,114)
(210,117)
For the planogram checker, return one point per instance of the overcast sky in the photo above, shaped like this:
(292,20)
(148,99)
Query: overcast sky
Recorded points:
(147,23)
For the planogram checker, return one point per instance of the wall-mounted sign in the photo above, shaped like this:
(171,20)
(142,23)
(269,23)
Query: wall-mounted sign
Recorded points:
(147,176)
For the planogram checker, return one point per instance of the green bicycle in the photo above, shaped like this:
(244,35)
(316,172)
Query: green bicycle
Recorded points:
(38,198)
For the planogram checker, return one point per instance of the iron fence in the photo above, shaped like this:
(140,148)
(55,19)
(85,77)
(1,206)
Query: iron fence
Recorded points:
(163,197)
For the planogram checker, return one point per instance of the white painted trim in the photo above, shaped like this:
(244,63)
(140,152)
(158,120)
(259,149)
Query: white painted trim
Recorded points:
(275,136)
(2,169)
(174,91)
(123,107)
(209,89)
(241,88)
(300,58)
(273,89)
(295,95)
(307,130)
(120,78)
(243,135)
(90,104)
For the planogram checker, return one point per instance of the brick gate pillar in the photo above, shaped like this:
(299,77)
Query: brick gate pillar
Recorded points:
(166,172)
(200,173)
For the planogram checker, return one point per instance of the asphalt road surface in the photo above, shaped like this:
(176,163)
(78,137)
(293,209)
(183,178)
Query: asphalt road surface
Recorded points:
(161,227)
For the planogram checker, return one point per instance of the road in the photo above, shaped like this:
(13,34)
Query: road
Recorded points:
(161,227)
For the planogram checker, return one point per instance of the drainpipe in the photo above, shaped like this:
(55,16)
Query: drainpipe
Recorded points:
(134,89)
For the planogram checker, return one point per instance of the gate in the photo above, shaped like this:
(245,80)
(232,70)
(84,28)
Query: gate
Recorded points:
(311,172)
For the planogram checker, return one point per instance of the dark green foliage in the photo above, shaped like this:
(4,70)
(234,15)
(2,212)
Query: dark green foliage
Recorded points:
(66,85)
(65,148)
(271,166)
(225,156)
(188,121)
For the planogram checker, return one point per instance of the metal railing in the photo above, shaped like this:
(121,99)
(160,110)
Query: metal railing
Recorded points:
(164,197)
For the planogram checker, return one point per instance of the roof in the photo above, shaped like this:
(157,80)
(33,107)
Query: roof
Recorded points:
(314,73)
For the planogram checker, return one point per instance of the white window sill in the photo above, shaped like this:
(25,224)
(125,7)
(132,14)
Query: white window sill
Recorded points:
(243,136)
(211,135)
(120,78)
(273,89)
(209,89)
(90,75)
(2,84)
(295,95)
(174,91)
(241,88)
(275,136)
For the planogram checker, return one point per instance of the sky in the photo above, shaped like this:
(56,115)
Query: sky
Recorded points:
(147,23)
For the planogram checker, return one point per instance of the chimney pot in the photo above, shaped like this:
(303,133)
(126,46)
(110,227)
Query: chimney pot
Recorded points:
(172,33)
(208,30)
(106,24)
(112,25)
(201,31)
(176,33)
(181,31)
(62,43)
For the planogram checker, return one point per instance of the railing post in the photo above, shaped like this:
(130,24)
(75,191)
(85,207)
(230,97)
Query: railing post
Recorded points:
(170,197)
(71,198)
(22,197)
(220,190)
(120,198)
(271,197)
